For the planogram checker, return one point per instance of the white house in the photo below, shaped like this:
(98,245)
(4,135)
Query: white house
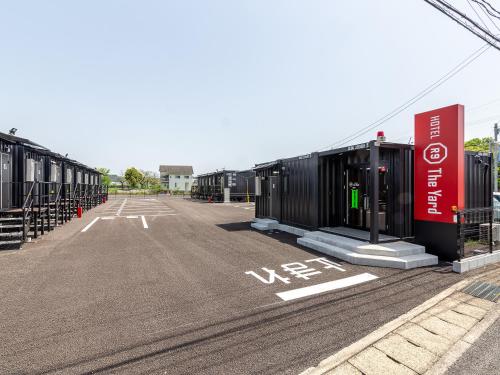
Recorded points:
(176,177)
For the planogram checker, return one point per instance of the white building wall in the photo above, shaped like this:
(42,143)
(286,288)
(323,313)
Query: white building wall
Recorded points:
(176,182)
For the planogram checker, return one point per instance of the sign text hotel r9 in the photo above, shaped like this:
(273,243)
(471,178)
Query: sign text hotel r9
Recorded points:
(439,164)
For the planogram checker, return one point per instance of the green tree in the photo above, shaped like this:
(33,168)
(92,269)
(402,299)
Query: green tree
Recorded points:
(150,179)
(133,176)
(106,180)
(479,144)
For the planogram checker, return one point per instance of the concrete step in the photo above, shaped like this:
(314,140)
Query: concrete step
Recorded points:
(11,243)
(390,249)
(11,226)
(260,226)
(402,262)
(265,224)
(269,224)
(10,234)
(18,218)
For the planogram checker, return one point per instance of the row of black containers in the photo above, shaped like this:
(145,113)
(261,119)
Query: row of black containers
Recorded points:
(40,189)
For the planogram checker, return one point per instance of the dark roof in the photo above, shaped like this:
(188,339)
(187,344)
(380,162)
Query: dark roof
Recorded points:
(266,165)
(40,148)
(24,141)
(177,169)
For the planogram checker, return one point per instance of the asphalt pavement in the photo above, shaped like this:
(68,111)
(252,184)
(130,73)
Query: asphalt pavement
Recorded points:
(483,357)
(172,286)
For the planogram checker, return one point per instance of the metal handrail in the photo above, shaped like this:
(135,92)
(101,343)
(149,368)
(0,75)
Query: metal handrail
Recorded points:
(26,209)
(28,195)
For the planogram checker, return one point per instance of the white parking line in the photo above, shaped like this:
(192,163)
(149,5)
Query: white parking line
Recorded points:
(325,287)
(161,215)
(132,217)
(108,218)
(121,207)
(144,224)
(89,225)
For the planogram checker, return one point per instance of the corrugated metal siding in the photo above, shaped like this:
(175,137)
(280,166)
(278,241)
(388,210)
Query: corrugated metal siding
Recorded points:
(311,188)
(478,180)
(400,201)
(300,191)
(242,178)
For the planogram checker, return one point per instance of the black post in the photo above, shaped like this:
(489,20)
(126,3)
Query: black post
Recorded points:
(491,231)
(49,214)
(374,192)
(460,243)
(56,213)
(42,228)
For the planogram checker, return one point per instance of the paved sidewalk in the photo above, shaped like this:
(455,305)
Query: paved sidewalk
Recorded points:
(426,340)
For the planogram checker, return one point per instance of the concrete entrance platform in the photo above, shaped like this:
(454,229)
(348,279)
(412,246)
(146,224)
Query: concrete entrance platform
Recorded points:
(356,233)
(398,254)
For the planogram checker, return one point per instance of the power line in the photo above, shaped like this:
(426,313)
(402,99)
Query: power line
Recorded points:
(483,120)
(487,13)
(493,12)
(466,22)
(483,105)
(478,16)
(459,67)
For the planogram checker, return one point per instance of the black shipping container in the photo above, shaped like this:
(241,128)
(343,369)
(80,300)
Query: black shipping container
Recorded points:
(287,190)
(337,188)
(212,185)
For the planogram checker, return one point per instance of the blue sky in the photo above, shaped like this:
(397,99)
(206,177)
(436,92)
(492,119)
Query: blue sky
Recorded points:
(228,84)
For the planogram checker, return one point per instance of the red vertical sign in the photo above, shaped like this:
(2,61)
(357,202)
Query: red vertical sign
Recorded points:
(439,164)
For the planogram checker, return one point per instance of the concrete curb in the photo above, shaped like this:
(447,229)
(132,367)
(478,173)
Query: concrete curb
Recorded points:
(355,348)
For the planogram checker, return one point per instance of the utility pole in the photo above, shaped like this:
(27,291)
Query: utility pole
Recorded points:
(495,158)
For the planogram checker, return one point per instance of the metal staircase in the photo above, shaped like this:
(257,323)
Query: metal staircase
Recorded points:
(45,206)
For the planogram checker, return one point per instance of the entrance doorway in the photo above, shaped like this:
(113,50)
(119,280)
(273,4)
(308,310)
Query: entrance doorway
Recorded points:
(6,179)
(357,197)
(274,198)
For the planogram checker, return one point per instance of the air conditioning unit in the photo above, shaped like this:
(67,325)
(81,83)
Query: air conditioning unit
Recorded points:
(258,186)
(69,176)
(53,173)
(30,170)
(484,232)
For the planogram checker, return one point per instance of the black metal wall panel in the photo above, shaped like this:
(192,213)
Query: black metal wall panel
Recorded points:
(245,183)
(478,180)
(300,191)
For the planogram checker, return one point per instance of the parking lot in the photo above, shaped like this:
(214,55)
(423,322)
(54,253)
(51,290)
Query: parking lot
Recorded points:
(166,285)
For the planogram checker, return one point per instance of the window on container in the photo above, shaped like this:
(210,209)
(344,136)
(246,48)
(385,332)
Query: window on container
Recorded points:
(177,176)
(186,176)
(285,184)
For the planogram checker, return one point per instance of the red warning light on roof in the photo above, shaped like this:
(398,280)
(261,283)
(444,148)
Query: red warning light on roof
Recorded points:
(380,136)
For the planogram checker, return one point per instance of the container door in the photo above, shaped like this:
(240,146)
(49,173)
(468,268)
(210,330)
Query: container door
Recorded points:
(274,198)
(356,197)
(358,208)
(6,179)
(383,196)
